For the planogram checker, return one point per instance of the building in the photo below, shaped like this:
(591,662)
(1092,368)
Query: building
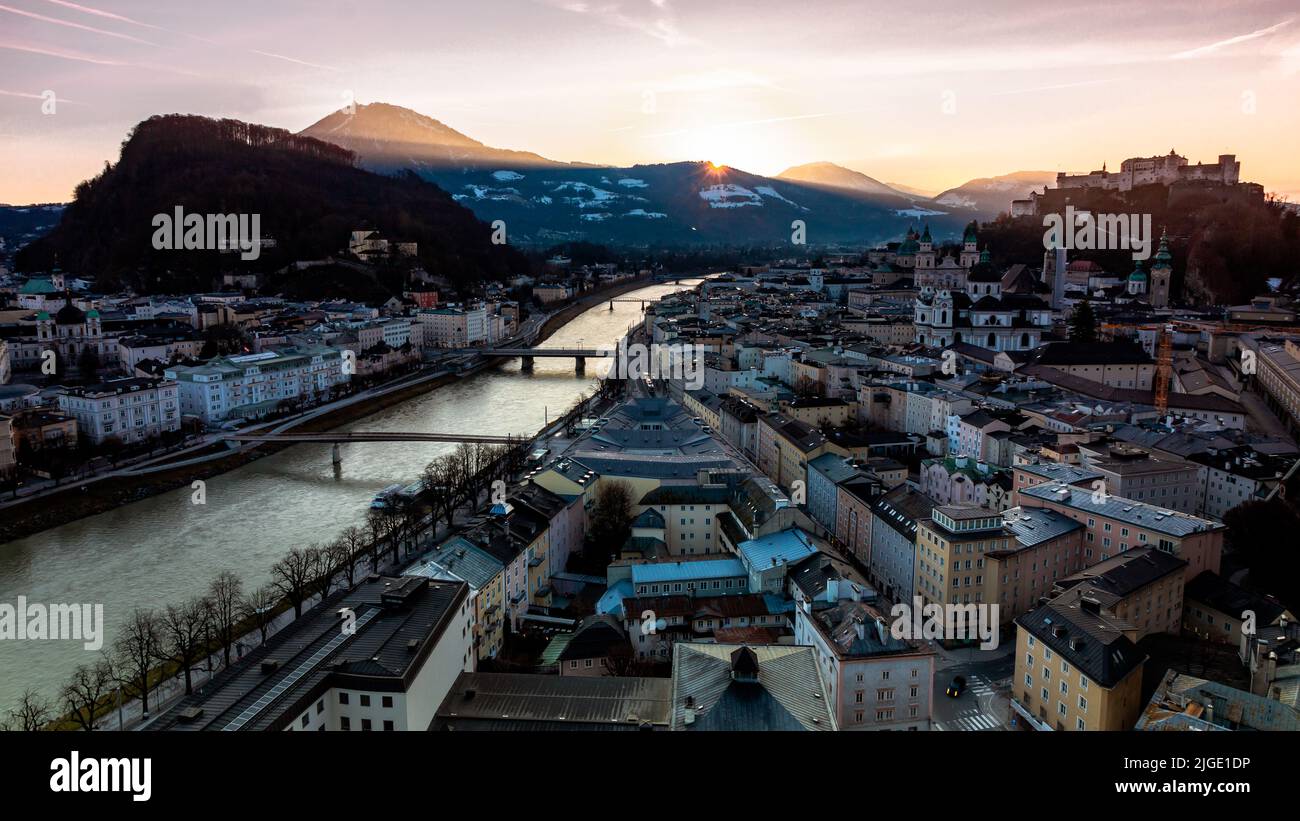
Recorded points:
(1142,586)
(254,385)
(891,559)
(1215,609)
(1115,524)
(595,648)
(1119,364)
(1076,668)
(960,480)
(1132,473)
(1276,367)
(522,701)
(459,559)
(130,410)
(1185,702)
(1165,170)
(873,680)
(454,326)
(412,638)
(744,687)
(8,464)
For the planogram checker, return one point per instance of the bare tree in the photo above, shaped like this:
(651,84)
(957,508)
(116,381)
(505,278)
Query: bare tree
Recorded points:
(375,529)
(137,647)
(224,597)
(32,713)
(328,567)
(295,575)
(183,630)
(346,552)
(84,691)
(259,607)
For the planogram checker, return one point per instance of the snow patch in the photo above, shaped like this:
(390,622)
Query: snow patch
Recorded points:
(771,193)
(595,217)
(956,200)
(729,195)
(586,196)
(507,176)
(629,182)
(919,212)
(641,212)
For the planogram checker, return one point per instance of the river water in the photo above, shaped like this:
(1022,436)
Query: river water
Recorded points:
(164,549)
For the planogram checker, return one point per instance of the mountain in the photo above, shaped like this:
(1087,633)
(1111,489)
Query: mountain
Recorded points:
(543,202)
(20,224)
(987,197)
(831,175)
(391,137)
(308,195)
(914,191)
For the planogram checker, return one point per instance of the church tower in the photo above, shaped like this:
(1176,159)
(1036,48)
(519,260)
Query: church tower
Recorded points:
(969,250)
(1162,272)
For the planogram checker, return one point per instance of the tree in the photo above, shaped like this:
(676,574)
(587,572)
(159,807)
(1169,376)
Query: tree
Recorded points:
(1083,323)
(611,518)
(32,713)
(184,628)
(88,364)
(136,648)
(225,595)
(1263,535)
(84,691)
(295,575)
(259,608)
(348,550)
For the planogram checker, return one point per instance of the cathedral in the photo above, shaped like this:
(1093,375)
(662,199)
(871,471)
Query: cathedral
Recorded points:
(978,312)
(1153,287)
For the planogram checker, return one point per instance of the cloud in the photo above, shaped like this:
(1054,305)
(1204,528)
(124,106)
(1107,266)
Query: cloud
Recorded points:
(1202,51)
(58,22)
(66,55)
(661,25)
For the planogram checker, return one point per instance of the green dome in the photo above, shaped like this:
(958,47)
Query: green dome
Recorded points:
(1164,259)
(1138,274)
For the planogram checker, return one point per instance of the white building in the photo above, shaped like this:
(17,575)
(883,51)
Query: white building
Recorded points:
(132,410)
(256,384)
(453,326)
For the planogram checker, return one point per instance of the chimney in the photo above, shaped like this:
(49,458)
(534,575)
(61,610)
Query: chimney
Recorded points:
(859,628)
(882,632)
(832,590)
(1090,605)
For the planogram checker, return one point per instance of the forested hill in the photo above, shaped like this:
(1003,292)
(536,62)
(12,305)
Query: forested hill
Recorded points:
(309,196)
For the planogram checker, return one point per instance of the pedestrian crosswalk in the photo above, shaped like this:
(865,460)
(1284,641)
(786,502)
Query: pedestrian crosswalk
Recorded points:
(969,723)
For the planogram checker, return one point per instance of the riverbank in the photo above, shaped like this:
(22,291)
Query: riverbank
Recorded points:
(42,513)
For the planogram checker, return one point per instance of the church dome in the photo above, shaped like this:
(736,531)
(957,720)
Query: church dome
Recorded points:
(69,314)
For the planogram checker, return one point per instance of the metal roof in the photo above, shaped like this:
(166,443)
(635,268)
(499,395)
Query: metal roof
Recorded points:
(1128,511)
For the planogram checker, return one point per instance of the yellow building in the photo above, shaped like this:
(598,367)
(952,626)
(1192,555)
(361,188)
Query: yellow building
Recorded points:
(1076,668)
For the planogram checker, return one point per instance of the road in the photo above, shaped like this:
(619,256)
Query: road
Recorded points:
(984,706)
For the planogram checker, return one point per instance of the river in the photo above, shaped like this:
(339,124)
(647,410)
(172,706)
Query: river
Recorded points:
(165,549)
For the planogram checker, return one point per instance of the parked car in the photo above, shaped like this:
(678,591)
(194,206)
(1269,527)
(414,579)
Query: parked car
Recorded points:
(957,687)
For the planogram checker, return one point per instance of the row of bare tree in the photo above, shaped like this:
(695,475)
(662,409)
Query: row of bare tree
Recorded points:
(181,637)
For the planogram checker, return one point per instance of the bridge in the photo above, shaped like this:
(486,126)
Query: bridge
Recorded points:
(527,355)
(339,437)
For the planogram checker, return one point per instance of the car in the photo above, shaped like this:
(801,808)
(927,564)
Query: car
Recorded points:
(957,687)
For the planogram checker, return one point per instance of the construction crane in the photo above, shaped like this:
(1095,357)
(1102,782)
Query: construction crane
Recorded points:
(1164,368)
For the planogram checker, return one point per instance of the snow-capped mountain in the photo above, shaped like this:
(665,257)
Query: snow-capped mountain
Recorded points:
(989,196)
(543,201)
(837,176)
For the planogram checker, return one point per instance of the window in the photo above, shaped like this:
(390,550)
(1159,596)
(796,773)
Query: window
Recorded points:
(343,698)
(388,726)
(320,706)
(388,702)
(365,725)
(306,719)
(365,701)
(345,723)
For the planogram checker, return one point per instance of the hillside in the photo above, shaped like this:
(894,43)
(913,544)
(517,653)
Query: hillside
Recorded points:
(990,196)
(667,204)
(309,195)
(837,176)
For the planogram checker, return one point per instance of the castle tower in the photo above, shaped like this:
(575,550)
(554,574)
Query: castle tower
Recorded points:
(1162,272)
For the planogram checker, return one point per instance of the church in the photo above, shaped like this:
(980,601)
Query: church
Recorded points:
(978,312)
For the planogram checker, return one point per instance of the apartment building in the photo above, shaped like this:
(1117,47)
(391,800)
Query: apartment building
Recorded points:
(454,326)
(891,550)
(873,680)
(961,480)
(253,385)
(459,559)
(1142,586)
(131,410)
(1115,524)
(1132,473)
(1076,668)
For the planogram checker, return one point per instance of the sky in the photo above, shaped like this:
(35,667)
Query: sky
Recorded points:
(924,94)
